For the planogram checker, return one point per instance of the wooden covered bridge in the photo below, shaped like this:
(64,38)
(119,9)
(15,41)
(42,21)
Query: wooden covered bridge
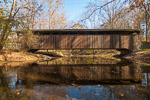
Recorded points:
(124,40)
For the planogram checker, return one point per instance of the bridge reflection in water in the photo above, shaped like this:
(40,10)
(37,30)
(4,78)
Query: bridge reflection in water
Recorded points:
(83,71)
(75,79)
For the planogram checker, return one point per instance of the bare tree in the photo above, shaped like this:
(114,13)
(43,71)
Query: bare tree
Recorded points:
(53,15)
(30,14)
(112,14)
(122,18)
(20,15)
(97,10)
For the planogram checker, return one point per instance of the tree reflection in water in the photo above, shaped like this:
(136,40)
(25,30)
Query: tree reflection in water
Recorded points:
(75,79)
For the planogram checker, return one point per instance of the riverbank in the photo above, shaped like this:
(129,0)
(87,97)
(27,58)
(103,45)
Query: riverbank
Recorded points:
(142,57)
(9,58)
(19,56)
(16,58)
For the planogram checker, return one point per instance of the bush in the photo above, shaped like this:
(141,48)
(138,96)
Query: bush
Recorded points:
(28,40)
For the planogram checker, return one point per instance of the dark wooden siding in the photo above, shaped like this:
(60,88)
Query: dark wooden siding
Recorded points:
(113,41)
(88,40)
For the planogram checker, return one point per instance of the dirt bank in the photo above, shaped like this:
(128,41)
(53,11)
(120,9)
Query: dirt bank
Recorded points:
(142,57)
(19,58)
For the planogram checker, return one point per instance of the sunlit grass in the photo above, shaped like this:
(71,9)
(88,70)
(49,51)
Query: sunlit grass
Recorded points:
(145,50)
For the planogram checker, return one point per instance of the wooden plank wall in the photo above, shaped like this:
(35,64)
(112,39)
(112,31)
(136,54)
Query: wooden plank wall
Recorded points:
(83,41)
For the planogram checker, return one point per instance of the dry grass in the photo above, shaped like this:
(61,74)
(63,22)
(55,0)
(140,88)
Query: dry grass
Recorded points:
(13,59)
(19,56)
(142,57)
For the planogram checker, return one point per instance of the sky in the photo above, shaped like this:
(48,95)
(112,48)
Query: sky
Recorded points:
(74,8)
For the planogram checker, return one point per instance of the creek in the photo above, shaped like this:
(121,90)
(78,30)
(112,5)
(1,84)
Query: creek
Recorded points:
(76,78)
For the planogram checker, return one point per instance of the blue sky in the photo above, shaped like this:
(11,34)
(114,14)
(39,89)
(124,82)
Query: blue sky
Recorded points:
(74,8)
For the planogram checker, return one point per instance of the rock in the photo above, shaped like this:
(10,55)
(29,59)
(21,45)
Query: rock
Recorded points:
(47,58)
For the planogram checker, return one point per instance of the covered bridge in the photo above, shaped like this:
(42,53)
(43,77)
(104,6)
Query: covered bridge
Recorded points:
(124,40)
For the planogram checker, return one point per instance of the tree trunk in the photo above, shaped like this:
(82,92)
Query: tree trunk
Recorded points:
(146,26)
(1,47)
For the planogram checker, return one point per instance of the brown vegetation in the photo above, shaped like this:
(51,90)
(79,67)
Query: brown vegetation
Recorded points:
(19,56)
(13,59)
(142,57)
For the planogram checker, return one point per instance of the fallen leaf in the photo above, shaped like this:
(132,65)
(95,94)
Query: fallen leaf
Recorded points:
(122,94)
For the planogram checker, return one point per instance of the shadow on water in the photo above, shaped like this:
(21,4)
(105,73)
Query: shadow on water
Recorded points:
(76,79)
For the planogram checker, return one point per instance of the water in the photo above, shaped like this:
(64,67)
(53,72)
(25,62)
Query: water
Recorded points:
(76,79)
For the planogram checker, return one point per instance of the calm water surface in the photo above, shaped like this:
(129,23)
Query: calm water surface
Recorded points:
(76,79)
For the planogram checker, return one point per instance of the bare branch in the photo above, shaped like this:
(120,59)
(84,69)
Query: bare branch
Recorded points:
(98,8)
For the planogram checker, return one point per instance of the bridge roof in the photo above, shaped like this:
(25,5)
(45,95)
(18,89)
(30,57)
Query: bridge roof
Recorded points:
(85,31)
